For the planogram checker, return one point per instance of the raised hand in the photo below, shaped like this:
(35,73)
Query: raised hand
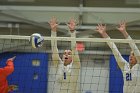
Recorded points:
(12,59)
(72,24)
(122,29)
(122,26)
(101,29)
(53,24)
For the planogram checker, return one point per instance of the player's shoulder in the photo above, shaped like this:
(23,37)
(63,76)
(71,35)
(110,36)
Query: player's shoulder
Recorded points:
(127,67)
(136,66)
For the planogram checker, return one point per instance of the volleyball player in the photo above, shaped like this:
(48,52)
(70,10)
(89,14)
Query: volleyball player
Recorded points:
(4,73)
(131,69)
(68,67)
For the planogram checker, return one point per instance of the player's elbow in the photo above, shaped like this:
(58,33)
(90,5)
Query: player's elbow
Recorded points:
(9,70)
(12,69)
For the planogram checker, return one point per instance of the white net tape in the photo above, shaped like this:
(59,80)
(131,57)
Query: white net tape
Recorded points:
(72,39)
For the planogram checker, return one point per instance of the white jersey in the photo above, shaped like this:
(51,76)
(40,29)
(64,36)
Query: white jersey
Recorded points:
(62,68)
(131,76)
(72,71)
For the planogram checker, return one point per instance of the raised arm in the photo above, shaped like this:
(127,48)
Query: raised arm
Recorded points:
(9,68)
(55,53)
(72,25)
(120,60)
(122,29)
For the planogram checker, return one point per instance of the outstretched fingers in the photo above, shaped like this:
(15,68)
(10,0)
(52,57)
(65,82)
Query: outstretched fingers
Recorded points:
(101,28)
(72,24)
(53,23)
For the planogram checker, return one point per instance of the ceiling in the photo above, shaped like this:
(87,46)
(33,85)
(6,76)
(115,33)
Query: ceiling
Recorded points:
(24,17)
(74,3)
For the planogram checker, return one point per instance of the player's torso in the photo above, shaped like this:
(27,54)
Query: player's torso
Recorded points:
(131,78)
(63,68)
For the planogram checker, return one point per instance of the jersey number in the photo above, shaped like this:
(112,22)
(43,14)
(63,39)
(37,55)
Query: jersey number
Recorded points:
(128,77)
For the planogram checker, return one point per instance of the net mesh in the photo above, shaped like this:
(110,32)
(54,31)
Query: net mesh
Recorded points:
(93,76)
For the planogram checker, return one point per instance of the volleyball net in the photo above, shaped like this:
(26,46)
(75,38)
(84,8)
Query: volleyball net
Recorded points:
(36,73)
